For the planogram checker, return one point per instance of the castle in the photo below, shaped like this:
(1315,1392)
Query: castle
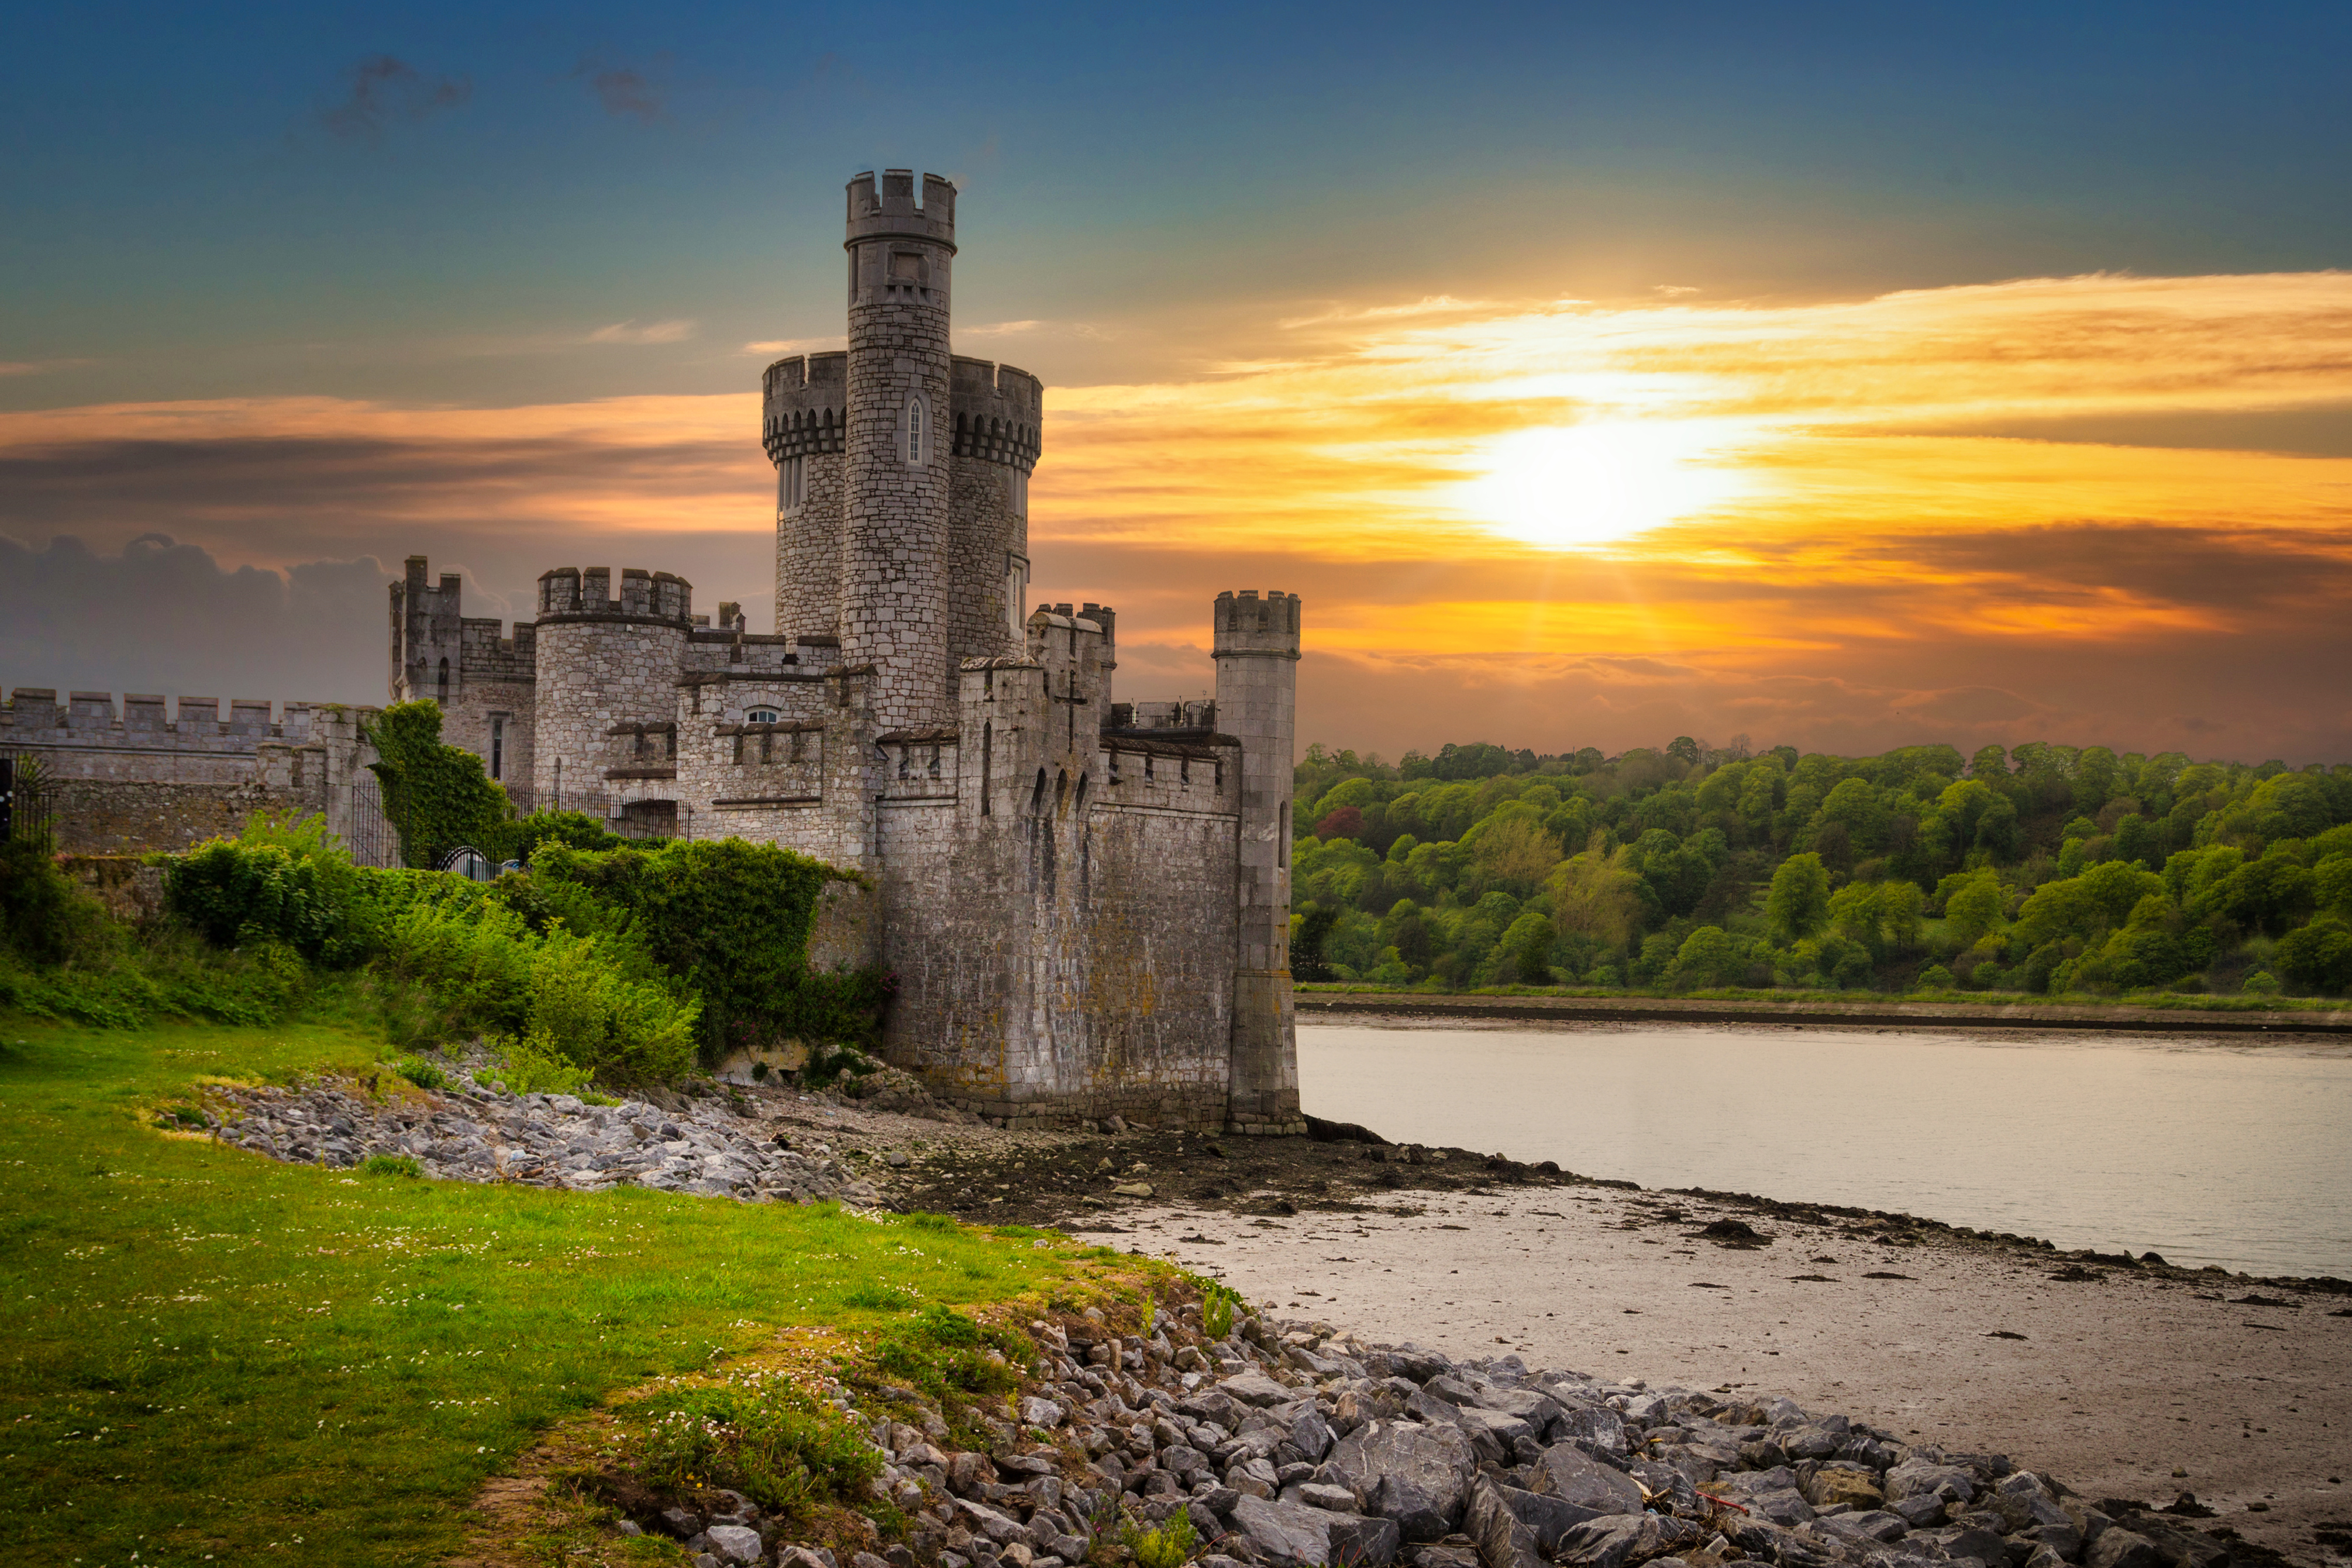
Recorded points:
(1086,903)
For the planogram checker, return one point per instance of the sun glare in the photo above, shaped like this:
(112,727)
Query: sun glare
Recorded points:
(1597,482)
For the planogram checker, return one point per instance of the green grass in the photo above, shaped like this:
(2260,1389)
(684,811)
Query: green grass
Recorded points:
(203,1352)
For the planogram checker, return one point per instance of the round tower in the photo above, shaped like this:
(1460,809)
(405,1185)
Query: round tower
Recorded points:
(607,691)
(804,415)
(894,462)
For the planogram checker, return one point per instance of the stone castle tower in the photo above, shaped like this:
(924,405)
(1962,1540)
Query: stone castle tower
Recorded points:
(1085,902)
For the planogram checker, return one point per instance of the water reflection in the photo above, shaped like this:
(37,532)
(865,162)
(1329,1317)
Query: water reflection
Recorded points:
(2233,1153)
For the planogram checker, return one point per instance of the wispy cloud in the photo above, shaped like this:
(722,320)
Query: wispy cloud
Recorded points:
(999,328)
(645,333)
(382,89)
(40,366)
(776,347)
(625,92)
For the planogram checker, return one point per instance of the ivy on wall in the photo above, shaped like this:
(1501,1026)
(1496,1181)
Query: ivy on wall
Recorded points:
(436,795)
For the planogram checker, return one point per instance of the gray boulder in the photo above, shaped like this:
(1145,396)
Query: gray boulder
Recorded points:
(2120,1548)
(1568,1473)
(733,1543)
(1283,1533)
(1502,1539)
(1417,1476)
(1548,1518)
(1634,1538)
(1595,1423)
(1360,1542)
(1257,1388)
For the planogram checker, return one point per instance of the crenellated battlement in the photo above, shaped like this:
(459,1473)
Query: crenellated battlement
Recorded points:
(890,210)
(998,413)
(805,403)
(34,717)
(573,593)
(1242,623)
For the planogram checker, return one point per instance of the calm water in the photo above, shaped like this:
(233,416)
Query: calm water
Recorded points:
(2207,1152)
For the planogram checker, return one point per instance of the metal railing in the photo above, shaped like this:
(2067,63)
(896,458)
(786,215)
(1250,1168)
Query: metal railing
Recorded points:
(25,806)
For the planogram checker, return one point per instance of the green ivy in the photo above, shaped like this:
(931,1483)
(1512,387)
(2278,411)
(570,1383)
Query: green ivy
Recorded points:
(437,795)
(733,919)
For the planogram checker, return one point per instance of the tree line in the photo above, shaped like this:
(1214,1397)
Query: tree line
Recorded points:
(2042,868)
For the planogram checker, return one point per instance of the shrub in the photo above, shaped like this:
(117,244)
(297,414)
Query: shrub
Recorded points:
(43,915)
(422,1074)
(391,1165)
(1936,977)
(531,1065)
(783,1450)
(2260,983)
(941,1352)
(1169,1546)
(732,921)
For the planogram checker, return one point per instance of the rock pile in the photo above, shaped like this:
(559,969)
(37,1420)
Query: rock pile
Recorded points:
(1289,1448)
(474,1134)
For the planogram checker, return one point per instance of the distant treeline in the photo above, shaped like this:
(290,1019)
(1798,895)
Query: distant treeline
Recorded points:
(2043,869)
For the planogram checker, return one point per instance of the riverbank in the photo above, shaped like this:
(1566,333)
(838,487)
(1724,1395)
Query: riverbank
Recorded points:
(2132,1382)
(2188,1014)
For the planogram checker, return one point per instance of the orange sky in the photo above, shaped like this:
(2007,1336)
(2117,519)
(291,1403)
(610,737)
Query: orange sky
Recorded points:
(2100,508)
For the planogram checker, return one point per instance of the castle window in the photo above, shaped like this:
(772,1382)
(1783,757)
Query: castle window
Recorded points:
(935,762)
(987,762)
(443,698)
(791,486)
(760,716)
(1020,493)
(797,737)
(739,748)
(918,437)
(498,747)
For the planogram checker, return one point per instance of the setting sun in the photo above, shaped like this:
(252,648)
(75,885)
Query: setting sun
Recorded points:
(1597,482)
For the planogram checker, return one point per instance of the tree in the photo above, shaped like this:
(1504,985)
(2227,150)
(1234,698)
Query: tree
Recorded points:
(1684,747)
(1347,822)
(1527,948)
(1973,908)
(1709,956)
(1798,903)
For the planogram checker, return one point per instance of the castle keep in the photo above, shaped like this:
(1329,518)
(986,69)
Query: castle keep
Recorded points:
(1086,901)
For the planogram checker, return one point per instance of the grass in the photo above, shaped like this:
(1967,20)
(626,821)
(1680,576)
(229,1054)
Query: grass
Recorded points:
(204,1354)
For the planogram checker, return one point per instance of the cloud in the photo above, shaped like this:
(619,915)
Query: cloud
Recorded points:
(624,93)
(40,366)
(775,347)
(162,616)
(651,332)
(385,90)
(999,328)
(1899,559)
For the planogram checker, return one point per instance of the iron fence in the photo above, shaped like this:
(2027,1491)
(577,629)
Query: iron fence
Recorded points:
(25,806)
(375,837)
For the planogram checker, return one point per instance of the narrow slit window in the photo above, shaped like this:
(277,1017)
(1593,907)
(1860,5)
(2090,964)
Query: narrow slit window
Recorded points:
(915,433)
(497,748)
(442,696)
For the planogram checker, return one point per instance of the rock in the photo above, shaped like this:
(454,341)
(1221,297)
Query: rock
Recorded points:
(2121,1548)
(1257,1388)
(1568,1473)
(1915,1478)
(1417,1476)
(1633,1538)
(1502,1539)
(1548,1518)
(681,1524)
(867,1559)
(1875,1525)
(1036,1412)
(1357,1541)
(1919,1512)
(1330,1498)
(1598,1424)
(2043,1556)
(1784,1506)
(1985,1547)
(1831,1486)
(1283,1533)
(1132,1190)
(737,1543)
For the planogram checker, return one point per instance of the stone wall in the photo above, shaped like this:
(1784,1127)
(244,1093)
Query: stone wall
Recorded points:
(598,672)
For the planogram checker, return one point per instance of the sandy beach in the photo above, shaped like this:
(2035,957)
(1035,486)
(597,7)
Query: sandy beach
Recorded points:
(2118,1384)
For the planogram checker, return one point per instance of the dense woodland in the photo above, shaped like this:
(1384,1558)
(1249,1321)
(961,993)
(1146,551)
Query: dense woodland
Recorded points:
(2044,870)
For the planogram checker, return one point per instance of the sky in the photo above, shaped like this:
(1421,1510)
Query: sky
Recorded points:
(1840,376)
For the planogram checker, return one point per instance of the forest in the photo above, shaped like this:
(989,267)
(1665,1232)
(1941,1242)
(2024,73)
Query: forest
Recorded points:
(2043,869)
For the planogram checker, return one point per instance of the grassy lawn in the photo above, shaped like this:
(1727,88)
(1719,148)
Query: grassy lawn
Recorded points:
(208,1355)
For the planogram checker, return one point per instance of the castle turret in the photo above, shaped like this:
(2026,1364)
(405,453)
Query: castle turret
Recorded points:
(805,421)
(607,672)
(427,642)
(1256,652)
(896,485)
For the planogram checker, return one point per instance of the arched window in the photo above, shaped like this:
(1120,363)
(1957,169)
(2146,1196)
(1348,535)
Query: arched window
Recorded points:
(918,435)
(444,696)
(760,716)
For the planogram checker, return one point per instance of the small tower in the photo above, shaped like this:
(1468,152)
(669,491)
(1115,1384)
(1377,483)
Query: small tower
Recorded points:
(1256,652)
(894,478)
(427,640)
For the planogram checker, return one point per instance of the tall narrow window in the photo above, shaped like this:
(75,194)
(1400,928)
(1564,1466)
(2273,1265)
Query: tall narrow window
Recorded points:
(497,748)
(1020,493)
(916,435)
(791,486)
(443,697)
(987,763)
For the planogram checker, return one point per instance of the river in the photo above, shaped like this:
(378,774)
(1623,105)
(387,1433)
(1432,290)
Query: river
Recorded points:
(2205,1150)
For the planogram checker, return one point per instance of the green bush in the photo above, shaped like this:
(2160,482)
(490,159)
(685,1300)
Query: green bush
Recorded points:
(422,1074)
(1169,1546)
(757,1435)
(942,1351)
(43,915)
(731,919)
(1936,977)
(391,1165)
(287,878)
